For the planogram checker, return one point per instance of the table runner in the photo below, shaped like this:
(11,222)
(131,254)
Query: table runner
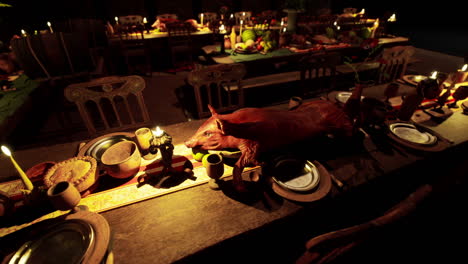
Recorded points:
(125,193)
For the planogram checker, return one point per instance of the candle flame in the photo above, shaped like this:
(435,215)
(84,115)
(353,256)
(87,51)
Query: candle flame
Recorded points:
(48,23)
(464,67)
(6,151)
(284,29)
(335,23)
(338,27)
(144,20)
(232,16)
(392,18)
(242,22)
(116,19)
(243,13)
(362,11)
(201,15)
(221,28)
(282,22)
(434,75)
(23,32)
(158,132)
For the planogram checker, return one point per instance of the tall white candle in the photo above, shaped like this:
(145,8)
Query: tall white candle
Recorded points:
(50,27)
(201,19)
(240,29)
(27,182)
(116,20)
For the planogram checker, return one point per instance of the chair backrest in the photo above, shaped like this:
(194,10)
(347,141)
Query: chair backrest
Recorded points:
(208,17)
(318,72)
(243,15)
(167,16)
(131,20)
(219,86)
(180,43)
(110,104)
(393,63)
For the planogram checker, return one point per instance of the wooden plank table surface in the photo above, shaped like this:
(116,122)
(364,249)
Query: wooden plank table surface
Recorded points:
(177,226)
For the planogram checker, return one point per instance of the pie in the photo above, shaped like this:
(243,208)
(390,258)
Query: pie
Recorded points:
(80,171)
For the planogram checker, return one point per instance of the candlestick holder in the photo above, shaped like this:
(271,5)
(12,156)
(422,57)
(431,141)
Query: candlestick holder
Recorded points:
(163,143)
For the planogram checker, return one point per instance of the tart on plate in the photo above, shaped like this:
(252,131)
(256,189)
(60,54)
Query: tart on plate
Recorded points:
(80,171)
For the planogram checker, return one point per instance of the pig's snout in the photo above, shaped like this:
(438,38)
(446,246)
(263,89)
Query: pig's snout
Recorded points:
(190,143)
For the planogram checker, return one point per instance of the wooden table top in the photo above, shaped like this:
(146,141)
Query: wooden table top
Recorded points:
(177,225)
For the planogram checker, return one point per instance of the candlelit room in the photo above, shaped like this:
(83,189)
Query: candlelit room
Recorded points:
(283,131)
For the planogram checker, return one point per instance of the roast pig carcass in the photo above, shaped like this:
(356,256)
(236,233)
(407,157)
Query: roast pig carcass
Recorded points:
(257,130)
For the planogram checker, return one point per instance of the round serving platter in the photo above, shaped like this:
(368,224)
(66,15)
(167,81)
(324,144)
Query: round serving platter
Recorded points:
(410,133)
(96,147)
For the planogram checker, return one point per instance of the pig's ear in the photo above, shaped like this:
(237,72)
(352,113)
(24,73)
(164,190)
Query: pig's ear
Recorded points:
(212,110)
(222,126)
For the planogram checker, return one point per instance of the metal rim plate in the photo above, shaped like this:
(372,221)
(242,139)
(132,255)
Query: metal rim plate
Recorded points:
(71,239)
(410,133)
(342,97)
(302,180)
(97,149)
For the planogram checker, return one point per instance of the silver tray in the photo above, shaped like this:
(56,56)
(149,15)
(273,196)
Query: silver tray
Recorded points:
(98,148)
(296,175)
(410,133)
(66,242)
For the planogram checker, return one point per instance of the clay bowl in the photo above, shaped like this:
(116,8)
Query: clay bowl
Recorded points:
(122,160)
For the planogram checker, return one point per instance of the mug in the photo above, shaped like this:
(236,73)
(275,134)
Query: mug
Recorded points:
(144,136)
(64,196)
(122,160)
(214,165)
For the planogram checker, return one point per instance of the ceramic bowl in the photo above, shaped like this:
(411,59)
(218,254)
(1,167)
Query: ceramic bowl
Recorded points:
(122,160)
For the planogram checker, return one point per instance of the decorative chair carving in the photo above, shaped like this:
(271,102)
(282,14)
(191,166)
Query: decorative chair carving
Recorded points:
(209,17)
(167,16)
(243,15)
(318,71)
(134,47)
(110,104)
(219,86)
(393,63)
(131,20)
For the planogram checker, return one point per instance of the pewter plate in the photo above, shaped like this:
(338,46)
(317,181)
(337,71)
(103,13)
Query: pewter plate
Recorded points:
(98,148)
(411,134)
(342,97)
(296,175)
(414,79)
(66,242)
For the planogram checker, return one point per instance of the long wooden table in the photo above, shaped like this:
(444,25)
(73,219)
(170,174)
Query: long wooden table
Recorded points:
(200,224)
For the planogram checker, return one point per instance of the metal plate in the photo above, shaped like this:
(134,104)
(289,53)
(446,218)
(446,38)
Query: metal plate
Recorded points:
(97,149)
(342,97)
(414,79)
(296,175)
(66,242)
(411,134)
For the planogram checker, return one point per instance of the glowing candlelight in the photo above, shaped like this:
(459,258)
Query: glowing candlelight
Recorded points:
(338,27)
(374,28)
(243,14)
(284,30)
(464,67)
(240,29)
(145,20)
(433,75)
(362,12)
(50,27)
(116,20)
(201,19)
(23,33)
(158,132)
(335,23)
(282,23)
(222,29)
(232,16)
(392,18)
(26,181)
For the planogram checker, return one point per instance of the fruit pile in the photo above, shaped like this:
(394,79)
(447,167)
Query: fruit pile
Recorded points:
(256,40)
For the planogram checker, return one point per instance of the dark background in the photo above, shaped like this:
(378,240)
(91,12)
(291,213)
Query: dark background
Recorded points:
(438,27)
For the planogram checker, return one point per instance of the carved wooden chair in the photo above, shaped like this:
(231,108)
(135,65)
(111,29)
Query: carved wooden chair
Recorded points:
(167,16)
(134,48)
(131,20)
(243,15)
(180,44)
(219,86)
(110,104)
(393,63)
(209,17)
(318,72)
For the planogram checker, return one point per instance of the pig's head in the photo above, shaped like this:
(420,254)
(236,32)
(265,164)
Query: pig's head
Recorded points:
(210,135)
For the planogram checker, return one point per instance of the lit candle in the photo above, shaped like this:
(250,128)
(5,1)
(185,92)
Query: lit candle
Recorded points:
(433,75)
(363,11)
(158,132)
(243,14)
(282,23)
(461,75)
(26,181)
(23,33)
(374,28)
(284,30)
(240,30)
(201,19)
(116,20)
(145,20)
(50,27)
(232,16)
(222,30)
(392,18)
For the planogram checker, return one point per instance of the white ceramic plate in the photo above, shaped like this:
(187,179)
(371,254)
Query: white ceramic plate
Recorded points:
(411,134)
(296,175)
